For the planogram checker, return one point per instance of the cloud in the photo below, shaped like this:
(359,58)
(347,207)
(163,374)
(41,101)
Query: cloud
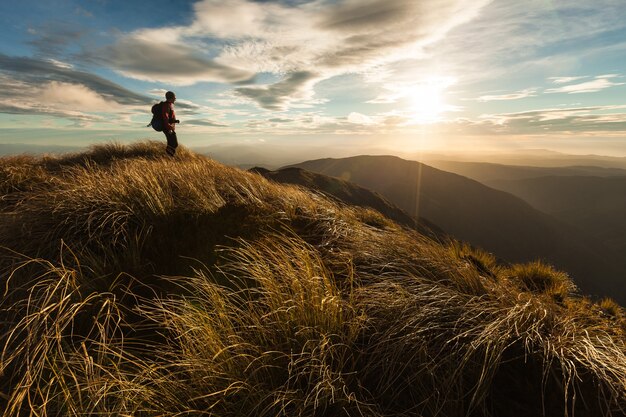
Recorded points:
(529,92)
(201,122)
(70,101)
(232,41)
(551,121)
(577,119)
(608,76)
(53,38)
(73,96)
(277,96)
(51,88)
(31,71)
(315,123)
(60,64)
(599,83)
(237,19)
(360,119)
(141,57)
(514,41)
(29,108)
(362,17)
(159,92)
(565,80)
(365,33)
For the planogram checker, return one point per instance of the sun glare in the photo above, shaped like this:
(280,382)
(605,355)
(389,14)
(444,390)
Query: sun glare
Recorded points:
(426,101)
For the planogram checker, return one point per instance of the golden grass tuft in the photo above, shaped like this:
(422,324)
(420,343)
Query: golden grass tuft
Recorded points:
(540,278)
(611,308)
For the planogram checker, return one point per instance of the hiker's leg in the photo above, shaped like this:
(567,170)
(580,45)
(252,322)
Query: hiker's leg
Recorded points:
(172,143)
(172,140)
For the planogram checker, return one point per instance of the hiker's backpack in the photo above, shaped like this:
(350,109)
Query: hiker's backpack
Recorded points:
(157,117)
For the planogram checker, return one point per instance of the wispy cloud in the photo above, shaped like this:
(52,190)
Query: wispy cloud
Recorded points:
(73,96)
(72,102)
(204,122)
(52,88)
(577,119)
(514,40)
(280,120)
(143,57)
(34,72)
(599,83)
(360,119)
(53,38)
(518,95)
(565,80)
(277,96)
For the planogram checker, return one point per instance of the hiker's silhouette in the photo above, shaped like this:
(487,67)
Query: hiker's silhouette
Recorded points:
(169,123)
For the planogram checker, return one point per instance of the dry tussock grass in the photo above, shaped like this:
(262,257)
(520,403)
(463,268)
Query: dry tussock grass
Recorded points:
(185,287)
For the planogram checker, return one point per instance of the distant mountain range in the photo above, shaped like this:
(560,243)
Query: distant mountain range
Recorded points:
(488,172)
(524,157)
(19,148)
(494,220)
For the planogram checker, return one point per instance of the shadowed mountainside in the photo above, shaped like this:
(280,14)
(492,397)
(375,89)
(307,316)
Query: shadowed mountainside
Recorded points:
(494,220)
(351,194)
(135,284)
(594,204)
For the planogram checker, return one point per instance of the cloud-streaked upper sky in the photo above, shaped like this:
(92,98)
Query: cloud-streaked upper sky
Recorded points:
(396,74)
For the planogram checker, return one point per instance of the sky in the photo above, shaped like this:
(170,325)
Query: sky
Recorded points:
(455,75)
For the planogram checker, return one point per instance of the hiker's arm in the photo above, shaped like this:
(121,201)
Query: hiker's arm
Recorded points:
(173,117)
(167,108)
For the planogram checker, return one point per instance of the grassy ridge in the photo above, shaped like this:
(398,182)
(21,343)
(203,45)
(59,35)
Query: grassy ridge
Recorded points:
(139,285)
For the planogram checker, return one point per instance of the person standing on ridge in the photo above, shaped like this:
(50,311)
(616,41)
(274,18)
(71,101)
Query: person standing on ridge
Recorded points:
(169,122)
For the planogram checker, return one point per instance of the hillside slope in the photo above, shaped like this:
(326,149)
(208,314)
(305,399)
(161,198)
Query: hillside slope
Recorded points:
(135,284)
(494,220)
(351,194)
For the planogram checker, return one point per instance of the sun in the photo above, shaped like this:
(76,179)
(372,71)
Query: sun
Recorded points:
(426,102)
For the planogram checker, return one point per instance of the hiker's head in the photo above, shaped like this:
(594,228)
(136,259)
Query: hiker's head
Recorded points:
(170,96)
